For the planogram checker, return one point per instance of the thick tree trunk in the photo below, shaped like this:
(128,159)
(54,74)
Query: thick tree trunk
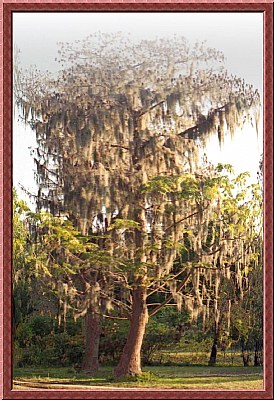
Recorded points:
(90,363)
(130,361)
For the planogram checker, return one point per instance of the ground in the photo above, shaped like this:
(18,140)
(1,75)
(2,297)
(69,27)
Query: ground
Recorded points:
(169,377)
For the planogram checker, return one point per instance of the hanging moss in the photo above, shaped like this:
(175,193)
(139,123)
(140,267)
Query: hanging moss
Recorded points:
(115,127)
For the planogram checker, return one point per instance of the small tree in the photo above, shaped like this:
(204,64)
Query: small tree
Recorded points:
(20,274)
(50,254)
(234,244)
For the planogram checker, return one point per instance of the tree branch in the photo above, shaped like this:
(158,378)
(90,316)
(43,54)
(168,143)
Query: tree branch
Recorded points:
(183,219)
(113,317)
(150,108)
(127,310)
(157,309)
(163,285)
(193,131)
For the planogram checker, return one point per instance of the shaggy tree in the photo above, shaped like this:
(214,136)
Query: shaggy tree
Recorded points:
(117,153)
(228,256)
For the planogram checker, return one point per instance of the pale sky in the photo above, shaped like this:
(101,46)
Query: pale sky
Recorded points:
(238,35)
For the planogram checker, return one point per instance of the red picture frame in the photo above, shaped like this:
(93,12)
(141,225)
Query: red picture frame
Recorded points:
(6,181)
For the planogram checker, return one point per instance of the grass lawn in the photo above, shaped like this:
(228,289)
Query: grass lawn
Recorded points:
(179,377)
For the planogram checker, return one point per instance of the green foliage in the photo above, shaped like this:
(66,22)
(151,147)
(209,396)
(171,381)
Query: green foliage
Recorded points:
(39,342)
(157,337)
(73,327)
(41,325)
(190,188)
(22,300)
(171,317)
(22,279)
(20,237)
(185,187)
(113,338)
(161,332)
(24,335)
(58,248)
(31,332)
(225,168)
(248,316)
(194,339)
(125,224)
(55,249)
(161,184)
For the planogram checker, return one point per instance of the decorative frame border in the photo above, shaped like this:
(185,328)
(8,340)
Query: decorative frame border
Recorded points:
(10,6)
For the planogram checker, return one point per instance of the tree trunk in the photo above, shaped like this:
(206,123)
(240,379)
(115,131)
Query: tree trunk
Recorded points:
(213,354)
(90,363)
(246,358)
(130,361)
(257,355)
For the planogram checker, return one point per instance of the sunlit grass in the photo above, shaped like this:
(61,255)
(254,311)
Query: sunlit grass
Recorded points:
(180,377)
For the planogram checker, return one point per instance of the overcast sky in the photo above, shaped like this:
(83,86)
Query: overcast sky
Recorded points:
(238,35)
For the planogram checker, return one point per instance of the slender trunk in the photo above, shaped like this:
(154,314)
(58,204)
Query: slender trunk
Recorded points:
(256,359)
(257,355)
(213,354)
(130,361)
(245,355)
(246,358)
(90,363)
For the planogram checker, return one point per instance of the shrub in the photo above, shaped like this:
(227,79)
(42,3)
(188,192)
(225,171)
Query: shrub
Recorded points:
(158,336)
(37,344)
(24,335)
(112,340)
(41,325)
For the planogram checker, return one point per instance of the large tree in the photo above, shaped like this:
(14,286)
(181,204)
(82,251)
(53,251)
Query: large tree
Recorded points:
(118,135)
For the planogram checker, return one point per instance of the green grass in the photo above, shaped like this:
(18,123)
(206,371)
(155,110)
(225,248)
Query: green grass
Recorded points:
(180,377)
(197,358)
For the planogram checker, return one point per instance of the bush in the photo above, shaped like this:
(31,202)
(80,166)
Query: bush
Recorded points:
(75,354)
(158,336)
(162,330)
(31,332)
(74,328)
(30,356)
(24,335)
(112,340)
(37,344)
(41,325)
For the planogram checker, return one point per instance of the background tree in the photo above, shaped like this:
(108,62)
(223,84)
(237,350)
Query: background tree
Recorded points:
(21,274)
(51,264)
(229,250)
(116,131)
(72,267)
